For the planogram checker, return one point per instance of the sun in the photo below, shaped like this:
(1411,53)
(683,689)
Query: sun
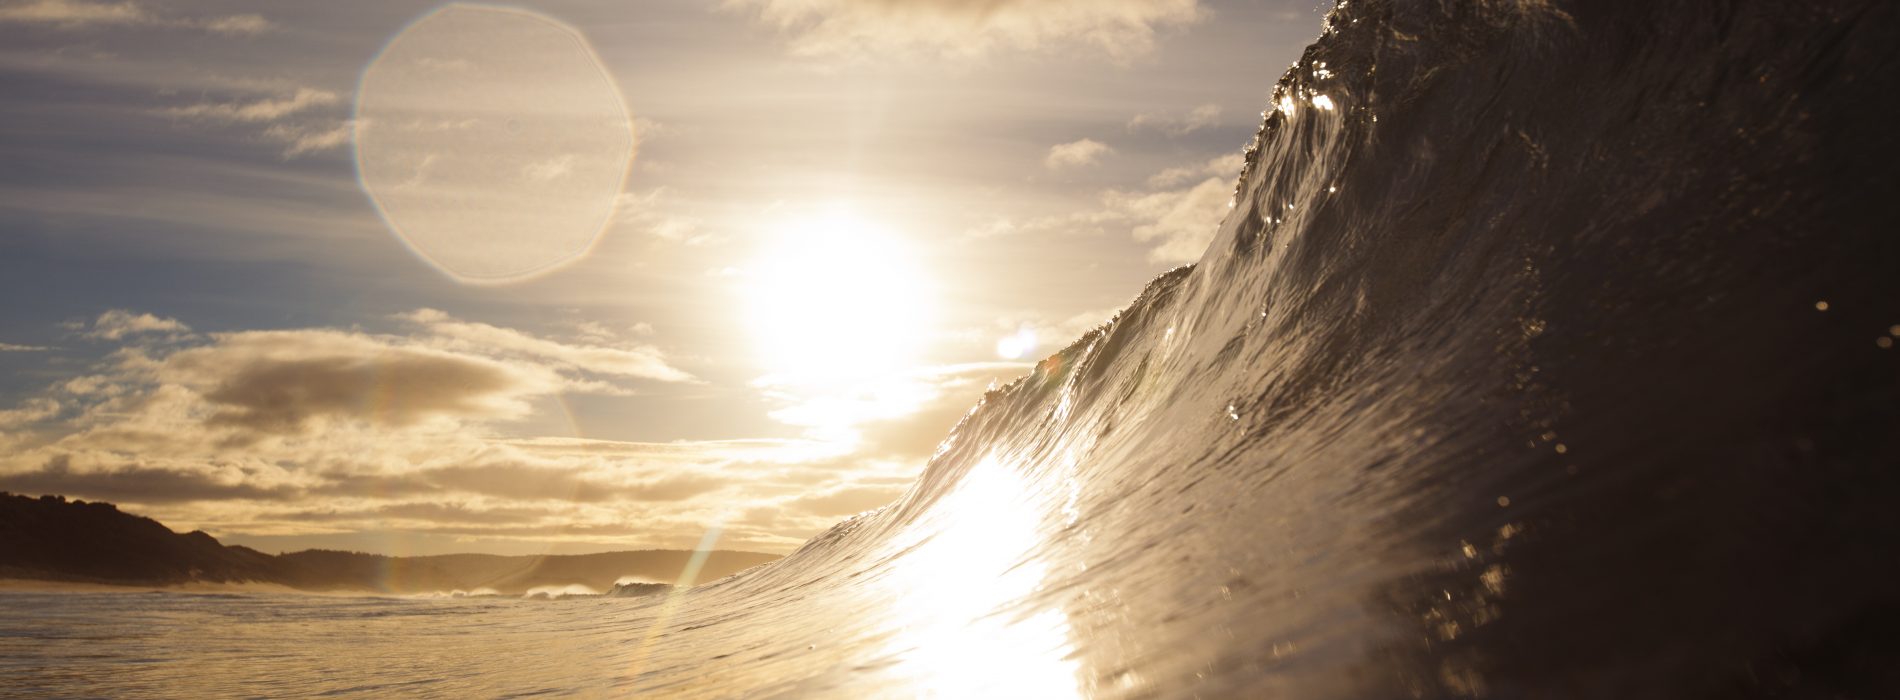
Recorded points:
(834,300)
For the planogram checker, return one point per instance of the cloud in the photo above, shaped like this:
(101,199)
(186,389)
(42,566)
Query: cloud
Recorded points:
(79,14)
(69,13)
(1180,223)
(522,482)
(849,500)
(32,411)
(300,140)
(117,324)
(320,432)
(1076,154)
(1179,219)
(238,24)
(654,214)
(642,495)
(970,28)
(1035,335)
(1086,222)
(993,229)
(10,347)
(632,361)
(1200,117)
(425,512)
(280,382)
(286,117)
(283,382)
(550,169)
(259,110)
(1226,166)
(134,482)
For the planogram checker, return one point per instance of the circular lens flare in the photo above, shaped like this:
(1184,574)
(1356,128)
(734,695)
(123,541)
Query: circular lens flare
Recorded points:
(492,141)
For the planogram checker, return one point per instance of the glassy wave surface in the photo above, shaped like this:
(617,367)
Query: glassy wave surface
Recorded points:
(1545,352)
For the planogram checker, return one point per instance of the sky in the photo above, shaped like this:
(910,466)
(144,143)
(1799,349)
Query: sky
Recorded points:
(569,276)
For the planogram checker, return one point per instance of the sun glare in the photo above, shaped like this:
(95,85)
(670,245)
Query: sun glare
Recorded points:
(835,300)
(966,583)
(1018,345)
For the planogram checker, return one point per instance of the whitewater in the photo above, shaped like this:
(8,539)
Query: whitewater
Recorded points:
(1540,355)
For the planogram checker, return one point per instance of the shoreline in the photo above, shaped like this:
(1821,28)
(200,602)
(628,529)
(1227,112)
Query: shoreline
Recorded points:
(30,585)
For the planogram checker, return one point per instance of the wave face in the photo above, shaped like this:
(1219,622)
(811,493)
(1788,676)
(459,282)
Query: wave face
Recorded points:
(1538,356)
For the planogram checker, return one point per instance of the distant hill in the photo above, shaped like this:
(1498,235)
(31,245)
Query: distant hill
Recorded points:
(51,538)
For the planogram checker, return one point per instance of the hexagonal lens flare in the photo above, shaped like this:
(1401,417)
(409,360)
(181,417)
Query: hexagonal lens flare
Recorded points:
(493,142)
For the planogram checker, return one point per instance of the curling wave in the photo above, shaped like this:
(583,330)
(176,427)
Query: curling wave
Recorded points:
(1543,352)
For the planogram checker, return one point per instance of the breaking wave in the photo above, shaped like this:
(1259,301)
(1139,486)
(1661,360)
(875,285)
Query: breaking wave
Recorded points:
(572,590)
(1543,352)
(1547,351)
(458,593)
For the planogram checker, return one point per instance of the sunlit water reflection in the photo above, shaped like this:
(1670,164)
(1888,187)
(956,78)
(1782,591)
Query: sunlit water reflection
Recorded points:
(964,625)
(176,645)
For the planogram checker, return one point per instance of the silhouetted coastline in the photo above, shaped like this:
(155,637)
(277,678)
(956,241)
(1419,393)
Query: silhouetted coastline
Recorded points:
(52,538)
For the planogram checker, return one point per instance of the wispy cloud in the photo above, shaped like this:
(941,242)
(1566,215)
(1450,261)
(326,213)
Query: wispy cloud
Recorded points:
(1076,154)
(1178,223)
(32,410)
(658,213)
(10,347)
(264,109)
(80,14)
(549,169)
(72,14)
(848,499)
(1227,167)
(1179,219)
(634,361)
(238,24)
(116,324)
(287,118)
(1030,336)
(1200,117)
(1120,28)
(299,140)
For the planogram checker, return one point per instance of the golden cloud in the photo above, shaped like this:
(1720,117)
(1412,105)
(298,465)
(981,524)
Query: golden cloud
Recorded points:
(968,28)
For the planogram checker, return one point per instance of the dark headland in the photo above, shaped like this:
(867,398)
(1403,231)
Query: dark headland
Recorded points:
(50,538)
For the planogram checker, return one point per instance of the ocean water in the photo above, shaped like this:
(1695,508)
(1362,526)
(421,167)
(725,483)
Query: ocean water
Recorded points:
(1546,352)
(197,645)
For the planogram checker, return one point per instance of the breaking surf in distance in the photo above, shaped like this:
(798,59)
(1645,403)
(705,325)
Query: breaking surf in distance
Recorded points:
(1540,355)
